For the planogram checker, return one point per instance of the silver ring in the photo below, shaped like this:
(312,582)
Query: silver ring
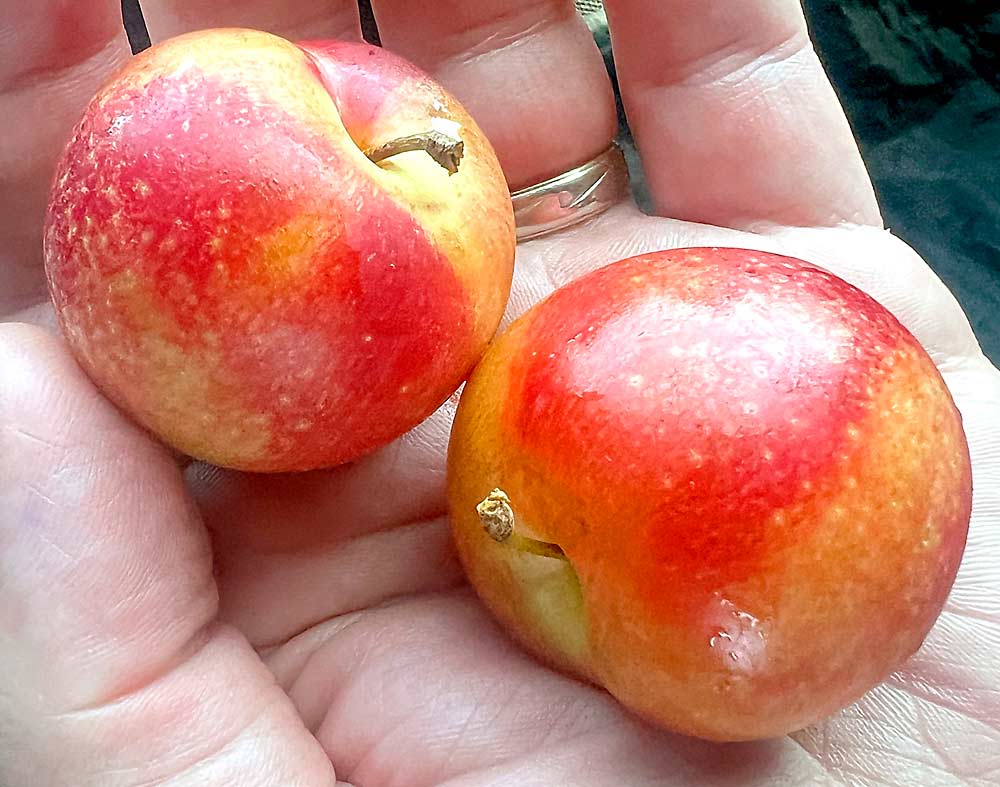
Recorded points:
(573,196)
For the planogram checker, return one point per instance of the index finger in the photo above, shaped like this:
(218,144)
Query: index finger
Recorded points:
(735,118)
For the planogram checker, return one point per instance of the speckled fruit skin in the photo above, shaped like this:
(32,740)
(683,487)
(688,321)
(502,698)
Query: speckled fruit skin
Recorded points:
(757,473)
(233,271)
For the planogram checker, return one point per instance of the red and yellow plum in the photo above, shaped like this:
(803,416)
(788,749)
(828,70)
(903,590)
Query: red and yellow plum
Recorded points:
(232,269)
(726,485)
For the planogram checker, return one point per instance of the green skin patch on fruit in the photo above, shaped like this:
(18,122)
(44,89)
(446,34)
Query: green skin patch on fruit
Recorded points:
(550,586)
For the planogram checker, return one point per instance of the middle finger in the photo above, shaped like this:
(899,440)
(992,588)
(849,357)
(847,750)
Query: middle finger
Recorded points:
(301,19)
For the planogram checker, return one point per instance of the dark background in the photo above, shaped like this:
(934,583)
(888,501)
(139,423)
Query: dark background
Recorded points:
(919,80)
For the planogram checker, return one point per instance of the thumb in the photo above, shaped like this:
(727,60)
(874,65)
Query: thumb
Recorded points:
(115,669)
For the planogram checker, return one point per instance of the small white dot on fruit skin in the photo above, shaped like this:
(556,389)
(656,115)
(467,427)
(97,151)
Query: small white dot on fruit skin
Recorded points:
(366,338)
(636,380)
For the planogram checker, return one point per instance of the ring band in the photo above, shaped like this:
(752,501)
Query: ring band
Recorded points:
(573,196)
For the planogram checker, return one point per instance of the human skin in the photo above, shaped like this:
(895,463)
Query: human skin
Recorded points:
(233,270)
(306,629)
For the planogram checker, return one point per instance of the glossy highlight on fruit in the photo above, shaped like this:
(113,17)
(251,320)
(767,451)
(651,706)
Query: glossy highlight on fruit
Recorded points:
(233,270)
(725,485)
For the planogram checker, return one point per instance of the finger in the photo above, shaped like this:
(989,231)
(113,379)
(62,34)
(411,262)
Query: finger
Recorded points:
(302,19)
(736,121)
(528,71)
(53,56)
(115,671)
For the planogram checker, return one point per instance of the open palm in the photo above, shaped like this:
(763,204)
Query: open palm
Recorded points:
(160,626)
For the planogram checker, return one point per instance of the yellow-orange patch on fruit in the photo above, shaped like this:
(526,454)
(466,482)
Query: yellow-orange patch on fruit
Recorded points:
(137,342)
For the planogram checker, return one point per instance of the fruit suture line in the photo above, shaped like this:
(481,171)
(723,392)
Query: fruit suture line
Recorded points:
(497,516)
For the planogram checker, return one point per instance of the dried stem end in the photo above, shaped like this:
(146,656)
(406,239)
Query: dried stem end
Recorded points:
(497,516)
(445,149)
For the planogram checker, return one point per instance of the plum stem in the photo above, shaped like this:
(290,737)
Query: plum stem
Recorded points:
(497,516)
(445,149)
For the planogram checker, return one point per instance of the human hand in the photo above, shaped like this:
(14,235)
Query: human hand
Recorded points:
(212,627)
